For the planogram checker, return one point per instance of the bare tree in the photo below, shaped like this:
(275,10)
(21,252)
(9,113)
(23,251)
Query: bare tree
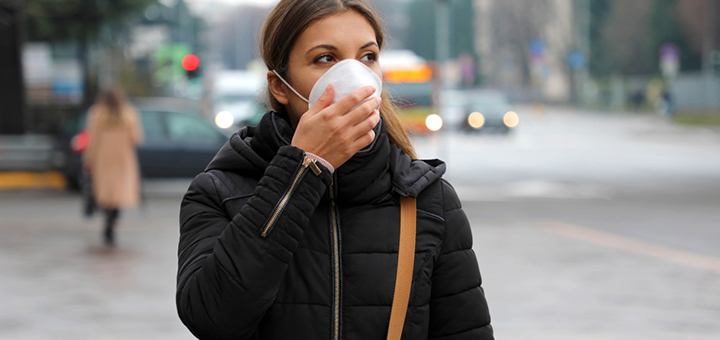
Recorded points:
(626,34)
(515,24)
(691,15)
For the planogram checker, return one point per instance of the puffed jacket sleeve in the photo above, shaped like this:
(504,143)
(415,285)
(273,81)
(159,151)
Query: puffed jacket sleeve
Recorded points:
(228,274)
(458,309)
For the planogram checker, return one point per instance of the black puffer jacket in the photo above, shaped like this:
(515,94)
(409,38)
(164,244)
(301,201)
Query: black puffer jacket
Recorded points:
(271,250)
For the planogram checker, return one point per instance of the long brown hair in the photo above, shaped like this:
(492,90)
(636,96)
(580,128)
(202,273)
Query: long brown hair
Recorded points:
(290,18)
(112,102)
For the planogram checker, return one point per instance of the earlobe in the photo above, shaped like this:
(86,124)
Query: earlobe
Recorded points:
(277,88)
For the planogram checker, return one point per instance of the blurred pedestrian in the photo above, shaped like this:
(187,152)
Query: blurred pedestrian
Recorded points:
(110,159)
(668,108)
(637,99)
(294,230)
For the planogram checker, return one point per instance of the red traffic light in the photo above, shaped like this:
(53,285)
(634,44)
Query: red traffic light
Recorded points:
(190,62)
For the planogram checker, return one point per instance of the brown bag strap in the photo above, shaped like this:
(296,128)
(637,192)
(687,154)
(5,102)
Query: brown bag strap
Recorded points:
(406,260)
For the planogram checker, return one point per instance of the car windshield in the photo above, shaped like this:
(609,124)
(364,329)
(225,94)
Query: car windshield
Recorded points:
(410,94)
(188,128)
(488,102)
(152,125)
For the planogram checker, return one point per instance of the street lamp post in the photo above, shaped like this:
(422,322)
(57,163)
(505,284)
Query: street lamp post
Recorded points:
(583,39)
(442,50)
(708,49)
(442,47)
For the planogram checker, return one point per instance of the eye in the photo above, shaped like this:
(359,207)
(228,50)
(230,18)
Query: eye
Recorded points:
(369,57)
(325,58)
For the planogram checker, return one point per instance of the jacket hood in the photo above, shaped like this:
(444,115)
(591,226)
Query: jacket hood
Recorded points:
(371,174)
(237,156)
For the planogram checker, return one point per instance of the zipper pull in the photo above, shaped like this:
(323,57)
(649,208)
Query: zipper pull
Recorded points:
(309,162)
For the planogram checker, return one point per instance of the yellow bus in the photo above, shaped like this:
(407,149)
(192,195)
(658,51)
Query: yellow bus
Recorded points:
(409,79)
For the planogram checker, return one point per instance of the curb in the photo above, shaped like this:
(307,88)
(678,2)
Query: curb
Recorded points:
(14,180)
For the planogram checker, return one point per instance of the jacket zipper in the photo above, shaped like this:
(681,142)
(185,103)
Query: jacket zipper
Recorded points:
(336,264)
(307,163)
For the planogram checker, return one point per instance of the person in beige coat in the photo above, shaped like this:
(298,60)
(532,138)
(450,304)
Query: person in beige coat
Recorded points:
(115,132)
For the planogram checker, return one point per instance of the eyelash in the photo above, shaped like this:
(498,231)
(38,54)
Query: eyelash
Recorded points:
(318,59)
(372,55)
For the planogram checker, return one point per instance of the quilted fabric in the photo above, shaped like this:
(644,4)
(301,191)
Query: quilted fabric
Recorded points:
(232,283)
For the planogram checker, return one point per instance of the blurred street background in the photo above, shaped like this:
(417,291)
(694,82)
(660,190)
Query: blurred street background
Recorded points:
(582,136)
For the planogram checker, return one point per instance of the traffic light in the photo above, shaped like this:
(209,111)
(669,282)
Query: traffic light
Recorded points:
(191,65)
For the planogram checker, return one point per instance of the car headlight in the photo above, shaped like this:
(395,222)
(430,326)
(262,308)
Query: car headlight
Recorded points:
(476,120)
(433,122)
(224,119)
(511,119)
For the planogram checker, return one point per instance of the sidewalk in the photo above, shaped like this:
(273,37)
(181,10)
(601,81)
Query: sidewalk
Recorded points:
(60,282)
(28,162)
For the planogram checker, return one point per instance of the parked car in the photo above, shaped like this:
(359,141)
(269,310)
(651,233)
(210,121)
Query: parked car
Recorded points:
(178,142)
(489,110)
(235,97)
(257,112)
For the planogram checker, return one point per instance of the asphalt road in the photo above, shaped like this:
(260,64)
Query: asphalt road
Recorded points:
(593,225)
(586,226)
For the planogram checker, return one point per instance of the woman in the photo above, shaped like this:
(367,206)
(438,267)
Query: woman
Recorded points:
(115,132)
(272,250)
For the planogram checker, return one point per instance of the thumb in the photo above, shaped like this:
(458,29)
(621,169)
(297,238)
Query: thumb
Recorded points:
(325,99)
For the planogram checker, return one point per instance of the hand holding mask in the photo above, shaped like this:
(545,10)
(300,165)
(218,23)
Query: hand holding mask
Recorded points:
(346,76)
(342,111)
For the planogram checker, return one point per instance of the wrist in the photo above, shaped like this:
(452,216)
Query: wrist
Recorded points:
(321,161)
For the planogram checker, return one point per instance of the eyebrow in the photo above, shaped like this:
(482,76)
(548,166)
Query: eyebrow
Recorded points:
(333,48)
(368,45)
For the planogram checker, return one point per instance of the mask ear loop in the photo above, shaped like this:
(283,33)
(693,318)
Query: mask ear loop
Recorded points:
(291,88)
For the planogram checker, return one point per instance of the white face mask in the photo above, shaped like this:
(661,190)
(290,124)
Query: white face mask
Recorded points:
(346,76)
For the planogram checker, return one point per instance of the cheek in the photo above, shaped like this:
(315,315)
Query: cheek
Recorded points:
(377,70)
(308,82)
(304,78)
(302,83)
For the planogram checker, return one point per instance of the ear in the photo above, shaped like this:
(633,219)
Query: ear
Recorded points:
(277,89)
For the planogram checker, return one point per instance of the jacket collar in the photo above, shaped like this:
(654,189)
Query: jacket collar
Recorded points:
(369,176)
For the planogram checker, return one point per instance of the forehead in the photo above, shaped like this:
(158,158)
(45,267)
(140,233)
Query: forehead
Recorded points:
(349,28)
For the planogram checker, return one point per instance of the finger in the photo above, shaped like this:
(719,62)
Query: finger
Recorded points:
(324,101)
(373,119)
(366,125)
(364,140)
(353,98)
(363,111)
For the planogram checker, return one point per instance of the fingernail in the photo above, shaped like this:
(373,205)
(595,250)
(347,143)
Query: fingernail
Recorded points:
(372,88)
(327,89)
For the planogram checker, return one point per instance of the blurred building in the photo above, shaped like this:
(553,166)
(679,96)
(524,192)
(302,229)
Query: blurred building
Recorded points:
(396,21)
(698,92)
(140,46)
(523,46)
